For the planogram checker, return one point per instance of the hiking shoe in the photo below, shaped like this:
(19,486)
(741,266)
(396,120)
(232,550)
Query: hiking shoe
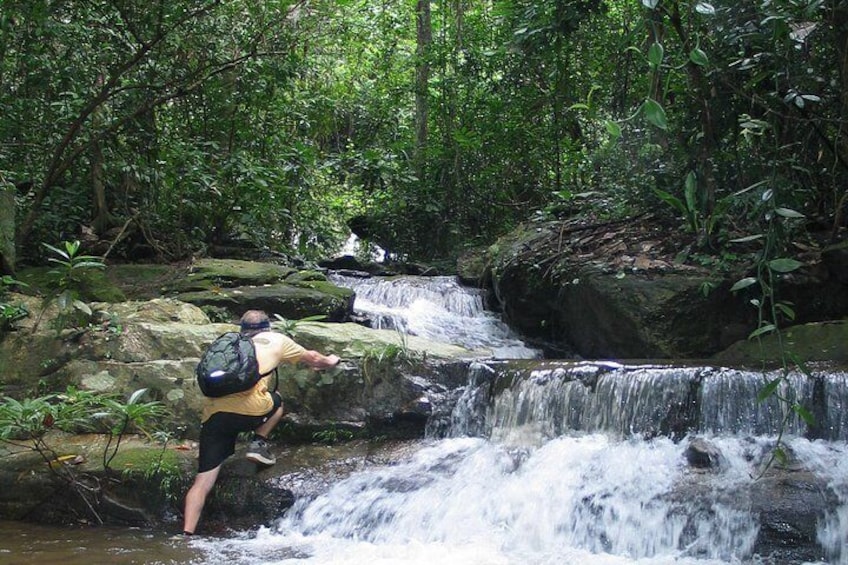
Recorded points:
(258,452)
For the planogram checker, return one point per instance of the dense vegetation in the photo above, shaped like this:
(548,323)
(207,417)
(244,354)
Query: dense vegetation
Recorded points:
(161,127)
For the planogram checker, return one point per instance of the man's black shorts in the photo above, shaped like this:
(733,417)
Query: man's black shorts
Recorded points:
(218,434)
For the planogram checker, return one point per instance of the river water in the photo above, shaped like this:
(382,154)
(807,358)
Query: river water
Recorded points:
(549,470)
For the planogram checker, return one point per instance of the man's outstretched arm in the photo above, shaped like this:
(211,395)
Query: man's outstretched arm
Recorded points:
(319,361)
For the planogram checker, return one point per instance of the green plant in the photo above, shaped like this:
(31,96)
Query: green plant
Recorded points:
(290,326)
(10,312)
(773,312)
(26,423)
(66,283)
(380,359)
(700,219)
(332,435)
(118,419)
(161,469)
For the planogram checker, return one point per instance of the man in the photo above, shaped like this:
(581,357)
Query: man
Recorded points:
(256,410)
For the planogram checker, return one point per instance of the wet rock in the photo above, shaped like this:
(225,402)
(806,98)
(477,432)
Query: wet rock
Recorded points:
(701,454)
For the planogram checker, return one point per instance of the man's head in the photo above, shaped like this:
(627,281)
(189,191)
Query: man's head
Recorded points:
(254,322)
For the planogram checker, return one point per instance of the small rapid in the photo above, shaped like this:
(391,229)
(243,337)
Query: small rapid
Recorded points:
(437,308)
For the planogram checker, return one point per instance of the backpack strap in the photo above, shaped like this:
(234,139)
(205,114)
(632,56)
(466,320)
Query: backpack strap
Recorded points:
(276,378)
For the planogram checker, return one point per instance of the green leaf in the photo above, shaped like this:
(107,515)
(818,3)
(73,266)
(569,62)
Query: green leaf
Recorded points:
(705,8)
(613,129)
(762,330)
(743,283)
(655,113)
(786,309)
(805,414)
(136,395)
(655,54)
(698,57)
(56,250)
(784,265)
(690,188)
(788,213)
(82,307)
(769,389)
(747,238)
(670,199)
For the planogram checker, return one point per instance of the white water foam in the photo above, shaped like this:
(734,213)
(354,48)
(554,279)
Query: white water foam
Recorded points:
(584,499)
(437,308)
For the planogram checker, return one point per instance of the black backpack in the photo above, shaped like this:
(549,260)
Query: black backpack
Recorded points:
(228,365)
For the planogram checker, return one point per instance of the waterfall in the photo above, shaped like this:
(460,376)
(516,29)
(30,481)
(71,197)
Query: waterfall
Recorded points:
(438,308)
(591,463)
(542,463)
(543,401)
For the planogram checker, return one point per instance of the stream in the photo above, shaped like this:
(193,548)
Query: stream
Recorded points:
(555,463)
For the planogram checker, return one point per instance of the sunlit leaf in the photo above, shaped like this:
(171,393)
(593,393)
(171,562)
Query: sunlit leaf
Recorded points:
(788,213)
(705,8)
(82,307)
(743,283)
(747,238)
(136,395)
(650,4)
(768,328)
(699,57)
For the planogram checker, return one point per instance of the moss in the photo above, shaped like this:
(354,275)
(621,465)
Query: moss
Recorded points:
(94,284)
(325,287)
(208,274)
(306,276)
(146,459)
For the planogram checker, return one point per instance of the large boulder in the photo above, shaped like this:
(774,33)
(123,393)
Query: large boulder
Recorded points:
(593,292)
(226,288)
(287,300)
(156,344)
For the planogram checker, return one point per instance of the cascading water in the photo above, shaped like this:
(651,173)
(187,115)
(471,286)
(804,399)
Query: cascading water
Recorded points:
(438,308)
(543,463)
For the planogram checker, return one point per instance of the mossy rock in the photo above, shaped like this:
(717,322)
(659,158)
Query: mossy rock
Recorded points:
(144,281)
(213,274)
(822,341)
(306,276)
(473,266)
(292,302)
(94,284)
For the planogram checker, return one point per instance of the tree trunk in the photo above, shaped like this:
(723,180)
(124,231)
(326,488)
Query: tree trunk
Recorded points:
(840,31)
(7,228)
(422,79)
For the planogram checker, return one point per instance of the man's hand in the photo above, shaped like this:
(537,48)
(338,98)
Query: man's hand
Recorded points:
(319,361)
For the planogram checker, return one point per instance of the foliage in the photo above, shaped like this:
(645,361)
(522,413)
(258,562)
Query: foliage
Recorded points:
(332,435)
(26,423)
(66,283)
(290,326)
(382,360)
(9,311)
(284,123)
